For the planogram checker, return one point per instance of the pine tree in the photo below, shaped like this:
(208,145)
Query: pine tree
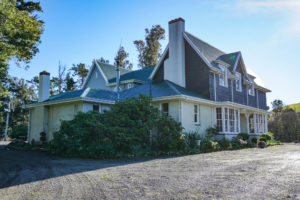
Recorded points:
(79,72)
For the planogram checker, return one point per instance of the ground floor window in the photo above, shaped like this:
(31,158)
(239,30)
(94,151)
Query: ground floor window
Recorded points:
(165,108)
(219,119)
(96,108)
(231,119)
(257,123)
(251,123)
(196,114)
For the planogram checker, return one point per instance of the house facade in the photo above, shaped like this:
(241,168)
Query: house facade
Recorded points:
(197,84)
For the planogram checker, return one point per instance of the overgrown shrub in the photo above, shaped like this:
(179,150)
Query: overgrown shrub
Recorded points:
(262,144)
(206,145)
(254,140)
(122,131)
(19,131)
(267,136)
(224,144)
(191,141)
(243,136)
(212,132)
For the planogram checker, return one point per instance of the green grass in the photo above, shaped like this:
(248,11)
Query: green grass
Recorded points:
(295,106)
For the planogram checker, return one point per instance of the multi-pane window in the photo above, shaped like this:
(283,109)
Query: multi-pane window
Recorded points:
(238,82)
(231,120)
(165,108)
(226,119)
(251,123)
(223,77)
(237,127)
(196,114)
(251,90)
(219,118)
(96,108)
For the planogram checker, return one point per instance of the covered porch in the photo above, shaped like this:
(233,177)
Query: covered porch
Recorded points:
(233,120)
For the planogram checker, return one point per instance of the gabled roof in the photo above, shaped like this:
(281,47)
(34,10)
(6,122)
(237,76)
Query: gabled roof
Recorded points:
(138,75)
(108,71)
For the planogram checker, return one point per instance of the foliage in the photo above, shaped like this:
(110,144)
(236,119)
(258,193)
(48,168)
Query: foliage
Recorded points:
(149,51)
(103,60)
(266,136)
(121,59)
(243,136)
(295,107)
(206,145)
(191,141)
(212,132)
(43,137)
(277,106)
(123,130)
(58,82)
(254,140)
(262,144)
(19,131)
(285,125)
(79,73)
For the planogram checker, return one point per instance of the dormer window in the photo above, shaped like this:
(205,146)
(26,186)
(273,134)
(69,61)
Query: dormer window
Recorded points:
(223,77)
(238,82)
(251,90)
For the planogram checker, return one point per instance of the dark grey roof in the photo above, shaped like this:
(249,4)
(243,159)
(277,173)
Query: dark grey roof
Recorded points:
(110,70)
(139,75)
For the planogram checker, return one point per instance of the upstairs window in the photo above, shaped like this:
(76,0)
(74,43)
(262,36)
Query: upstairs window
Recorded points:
(129,85)
(196,114)
(238,82)
(165,108)
(223,77)
(251,90)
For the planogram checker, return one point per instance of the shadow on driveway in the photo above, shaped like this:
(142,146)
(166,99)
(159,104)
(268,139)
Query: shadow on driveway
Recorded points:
(20,167)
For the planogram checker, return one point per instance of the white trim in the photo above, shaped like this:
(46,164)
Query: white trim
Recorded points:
(94,64)
(237,61)
(125,82)
(105,78)
(162,58)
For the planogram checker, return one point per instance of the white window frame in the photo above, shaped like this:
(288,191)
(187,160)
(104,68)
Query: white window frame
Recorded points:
(230,120)
(129,85)
(238,82)
(196,114)
(251,90)
(224,77)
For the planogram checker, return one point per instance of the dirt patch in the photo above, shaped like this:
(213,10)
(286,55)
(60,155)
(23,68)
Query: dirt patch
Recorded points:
(271,173)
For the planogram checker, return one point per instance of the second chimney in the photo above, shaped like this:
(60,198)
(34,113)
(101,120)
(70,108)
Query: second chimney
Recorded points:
(44,86)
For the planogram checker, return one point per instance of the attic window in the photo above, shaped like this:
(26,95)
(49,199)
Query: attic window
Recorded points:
(251,90)
(238,82)
(223,77)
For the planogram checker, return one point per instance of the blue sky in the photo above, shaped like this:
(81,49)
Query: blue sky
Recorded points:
(266,32)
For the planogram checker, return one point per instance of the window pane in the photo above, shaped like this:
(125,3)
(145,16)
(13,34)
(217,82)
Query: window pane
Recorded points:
(96,108)
(165,108)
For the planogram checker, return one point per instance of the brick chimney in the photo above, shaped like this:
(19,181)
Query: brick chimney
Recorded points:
(175,65)
(44,86)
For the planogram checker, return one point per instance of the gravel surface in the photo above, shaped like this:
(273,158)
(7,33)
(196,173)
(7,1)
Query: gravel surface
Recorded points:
(271,173)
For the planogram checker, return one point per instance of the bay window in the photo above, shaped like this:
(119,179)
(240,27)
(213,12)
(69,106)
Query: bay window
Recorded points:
(231,119)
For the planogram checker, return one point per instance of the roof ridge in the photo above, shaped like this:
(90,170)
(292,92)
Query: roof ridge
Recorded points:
(206,42)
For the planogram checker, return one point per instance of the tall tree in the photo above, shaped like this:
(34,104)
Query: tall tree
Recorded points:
(121,59)
(150,50)
(277,106)
(20,32)
(80,72)
(70,84)
(58,81)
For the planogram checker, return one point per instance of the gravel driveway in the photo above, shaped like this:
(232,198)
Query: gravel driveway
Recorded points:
(271,173)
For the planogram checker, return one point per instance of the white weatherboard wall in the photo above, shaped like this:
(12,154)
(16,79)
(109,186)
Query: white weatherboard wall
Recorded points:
(97,81)
(207,117)
(38,116)
(61,112)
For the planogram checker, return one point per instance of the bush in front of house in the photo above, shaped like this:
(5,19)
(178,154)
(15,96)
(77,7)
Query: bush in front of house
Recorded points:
(123,131)
(19,132)
(243,136)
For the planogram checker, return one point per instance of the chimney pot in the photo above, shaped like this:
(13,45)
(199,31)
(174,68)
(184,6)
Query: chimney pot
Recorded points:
(176,20)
